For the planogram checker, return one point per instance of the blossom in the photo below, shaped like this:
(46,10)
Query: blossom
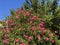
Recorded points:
(30,37)
(11,29)
(34,17)
(27,13)
(38,27)
(51,34)
(5,30)
(22,44)
(38,36)
(5,35)
(47,39)
(41,25)
(6,41)
(11,22)
(33,28)
(25,36)
(20,11)
(21,28)
(16,40)
(42,22)
(53,41)
(43,32)
(43,28)
(17,16)
(30,22)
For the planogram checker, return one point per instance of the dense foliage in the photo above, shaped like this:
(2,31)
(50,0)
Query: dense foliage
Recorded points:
(36,23)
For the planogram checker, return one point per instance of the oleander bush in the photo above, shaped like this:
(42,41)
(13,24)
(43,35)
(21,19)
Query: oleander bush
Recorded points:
(25,28)
(28,26)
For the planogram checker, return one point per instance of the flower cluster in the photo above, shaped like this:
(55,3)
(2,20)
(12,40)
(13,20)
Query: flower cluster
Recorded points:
(25,28)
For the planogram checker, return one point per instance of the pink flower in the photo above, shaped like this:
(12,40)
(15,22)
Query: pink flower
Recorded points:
(22,44)
(38,27)
(30,37)
(21,28)
(43,32)
(17,16)
(25,36)
(43,28)
(33,28)
(27,13)
(53,41)
(47,39)
(42,22)
(16,40)
(41,25)
(20,11)
(30,22)
(34,17)
(5,30)
(6,35)
(6,41)
(11,22)
(51,34)
(38,36)
(11,29)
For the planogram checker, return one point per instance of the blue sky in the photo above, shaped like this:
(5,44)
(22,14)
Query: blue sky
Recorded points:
(7,5)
